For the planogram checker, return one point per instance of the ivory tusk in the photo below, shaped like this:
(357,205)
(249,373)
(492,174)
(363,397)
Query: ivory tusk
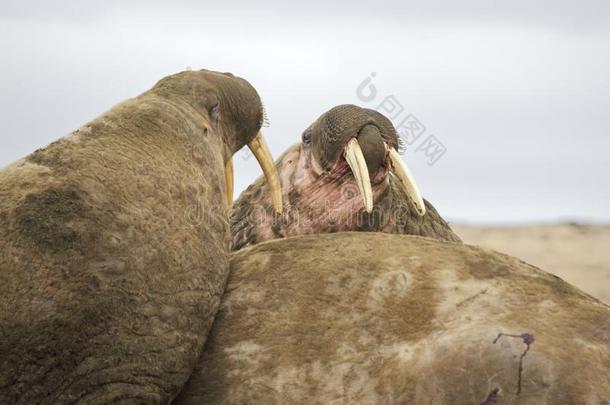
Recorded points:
(406,180)
(259,148)
(229,182)
(355,160)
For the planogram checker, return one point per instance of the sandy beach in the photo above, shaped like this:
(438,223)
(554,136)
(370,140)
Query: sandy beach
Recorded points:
(579,254)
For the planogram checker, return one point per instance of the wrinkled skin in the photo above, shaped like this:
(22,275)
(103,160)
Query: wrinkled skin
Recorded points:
(114,246)
(320,192)
(372,318)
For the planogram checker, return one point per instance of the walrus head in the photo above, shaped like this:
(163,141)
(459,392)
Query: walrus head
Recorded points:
(363,141)
(344,175)
(234,111)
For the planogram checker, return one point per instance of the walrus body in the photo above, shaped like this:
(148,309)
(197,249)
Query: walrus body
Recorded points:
(372,318)
(322,194)
(114,246)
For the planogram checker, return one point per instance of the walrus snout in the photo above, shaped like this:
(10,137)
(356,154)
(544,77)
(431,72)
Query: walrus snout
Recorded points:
(373,147)
(335,128)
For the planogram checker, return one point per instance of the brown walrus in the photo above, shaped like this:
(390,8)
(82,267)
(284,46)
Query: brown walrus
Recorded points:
(114,245)
(345,175)
(372,318)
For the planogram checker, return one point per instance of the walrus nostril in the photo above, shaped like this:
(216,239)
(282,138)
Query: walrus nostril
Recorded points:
(373,147)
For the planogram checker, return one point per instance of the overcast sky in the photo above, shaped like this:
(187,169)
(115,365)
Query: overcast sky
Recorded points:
(518,93)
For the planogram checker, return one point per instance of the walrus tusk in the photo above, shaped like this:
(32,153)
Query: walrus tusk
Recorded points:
(355,160)
(229,181)
(400,170)
(259,148)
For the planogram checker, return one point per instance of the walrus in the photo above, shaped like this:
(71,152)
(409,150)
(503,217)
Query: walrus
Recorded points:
(377,318)
(345,175)
(114,244)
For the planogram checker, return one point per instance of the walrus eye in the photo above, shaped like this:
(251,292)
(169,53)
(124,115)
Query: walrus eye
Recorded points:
(307,137)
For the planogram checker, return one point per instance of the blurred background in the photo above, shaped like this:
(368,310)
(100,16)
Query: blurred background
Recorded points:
(506,103)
